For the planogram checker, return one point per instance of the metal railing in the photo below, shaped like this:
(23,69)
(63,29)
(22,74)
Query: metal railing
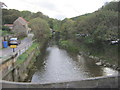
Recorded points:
(17,52)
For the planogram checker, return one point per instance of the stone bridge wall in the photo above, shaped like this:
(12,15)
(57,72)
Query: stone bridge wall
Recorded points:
(99,82)
(11,71)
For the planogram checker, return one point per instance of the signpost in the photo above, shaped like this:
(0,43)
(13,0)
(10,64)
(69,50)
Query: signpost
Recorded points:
(13,46)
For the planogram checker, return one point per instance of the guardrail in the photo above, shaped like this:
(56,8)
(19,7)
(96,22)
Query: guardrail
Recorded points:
(21,51)
(17,52)
(7,64)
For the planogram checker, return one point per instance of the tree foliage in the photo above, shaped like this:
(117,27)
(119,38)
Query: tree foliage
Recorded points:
(38,21)
(101,25)
(40,28)
(67,28)
(9,16)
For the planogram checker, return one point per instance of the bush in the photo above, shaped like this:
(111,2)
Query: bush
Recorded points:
(21,35)
(69,46)
(5,28)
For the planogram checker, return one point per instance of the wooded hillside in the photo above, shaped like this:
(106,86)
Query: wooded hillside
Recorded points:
(99,25)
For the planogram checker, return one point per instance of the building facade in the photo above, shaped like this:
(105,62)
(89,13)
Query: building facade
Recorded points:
(20,25)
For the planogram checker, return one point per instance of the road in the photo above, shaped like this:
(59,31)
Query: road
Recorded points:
(6,52)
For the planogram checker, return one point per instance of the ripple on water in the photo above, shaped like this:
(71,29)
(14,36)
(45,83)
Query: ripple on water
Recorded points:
(59,66)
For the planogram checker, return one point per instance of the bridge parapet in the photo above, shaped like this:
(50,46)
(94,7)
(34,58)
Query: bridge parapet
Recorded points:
(98,82)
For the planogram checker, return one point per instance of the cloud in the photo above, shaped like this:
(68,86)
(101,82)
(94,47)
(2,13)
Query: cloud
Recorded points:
(48,5)
(57,8)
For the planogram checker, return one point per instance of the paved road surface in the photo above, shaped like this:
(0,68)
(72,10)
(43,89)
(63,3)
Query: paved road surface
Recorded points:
(9,51)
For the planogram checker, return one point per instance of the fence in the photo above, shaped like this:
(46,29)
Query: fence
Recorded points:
(7,64)
(22,50)
(17,52)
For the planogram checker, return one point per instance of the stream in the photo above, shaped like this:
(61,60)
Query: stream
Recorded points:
(60,66)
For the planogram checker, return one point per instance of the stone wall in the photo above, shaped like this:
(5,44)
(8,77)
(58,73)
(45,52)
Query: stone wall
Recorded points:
(16,72)
(98,82)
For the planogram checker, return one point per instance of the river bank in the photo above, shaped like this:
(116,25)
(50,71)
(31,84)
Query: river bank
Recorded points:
(104,55)
(101,62)
(39,53)
(42,61)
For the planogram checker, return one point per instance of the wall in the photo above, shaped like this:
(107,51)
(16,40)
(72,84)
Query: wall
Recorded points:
(11,71)
(18,27)
(98,82)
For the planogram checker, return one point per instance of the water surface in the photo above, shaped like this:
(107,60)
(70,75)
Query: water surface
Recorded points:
(58,66)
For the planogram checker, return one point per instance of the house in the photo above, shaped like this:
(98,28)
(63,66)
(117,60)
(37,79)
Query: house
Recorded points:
(10,26)
(20,25)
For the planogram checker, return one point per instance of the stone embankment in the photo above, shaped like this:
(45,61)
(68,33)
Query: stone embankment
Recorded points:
(100,62)
(17,67)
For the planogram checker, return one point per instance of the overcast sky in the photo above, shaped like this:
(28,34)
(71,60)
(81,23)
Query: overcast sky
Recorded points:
(58,9)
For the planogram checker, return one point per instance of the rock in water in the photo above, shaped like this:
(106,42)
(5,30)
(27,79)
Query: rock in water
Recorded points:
(99,63)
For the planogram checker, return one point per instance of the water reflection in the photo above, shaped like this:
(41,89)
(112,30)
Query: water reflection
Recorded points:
(59,67)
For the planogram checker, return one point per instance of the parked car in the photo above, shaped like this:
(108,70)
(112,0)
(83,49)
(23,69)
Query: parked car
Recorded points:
(14,41)
(115,41)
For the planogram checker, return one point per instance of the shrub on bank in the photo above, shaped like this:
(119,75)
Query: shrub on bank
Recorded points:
(69,46)
(25,55)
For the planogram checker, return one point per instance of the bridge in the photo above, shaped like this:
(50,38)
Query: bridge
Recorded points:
(99,82)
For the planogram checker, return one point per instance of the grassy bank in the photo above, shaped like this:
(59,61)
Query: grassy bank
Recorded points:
(26,54)
(108,53)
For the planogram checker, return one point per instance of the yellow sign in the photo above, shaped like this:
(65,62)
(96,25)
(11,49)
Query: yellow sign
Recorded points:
(13,46)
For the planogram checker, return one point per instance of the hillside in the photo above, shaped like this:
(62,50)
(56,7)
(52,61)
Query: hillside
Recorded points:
(93,33)
(102,24)
(10,15)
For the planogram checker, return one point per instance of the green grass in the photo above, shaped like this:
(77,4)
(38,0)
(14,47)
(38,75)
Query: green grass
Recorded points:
(26,54)
(108,53)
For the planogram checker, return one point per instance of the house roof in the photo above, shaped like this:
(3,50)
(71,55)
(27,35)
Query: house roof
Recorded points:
(21,20)
(9,25)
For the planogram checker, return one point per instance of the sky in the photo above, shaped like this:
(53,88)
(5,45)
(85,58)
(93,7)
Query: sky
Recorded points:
(58,9)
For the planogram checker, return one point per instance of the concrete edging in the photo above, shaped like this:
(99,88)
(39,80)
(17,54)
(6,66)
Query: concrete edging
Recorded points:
(97,82)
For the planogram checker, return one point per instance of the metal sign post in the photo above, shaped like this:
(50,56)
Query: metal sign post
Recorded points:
(13,46)
(13,49)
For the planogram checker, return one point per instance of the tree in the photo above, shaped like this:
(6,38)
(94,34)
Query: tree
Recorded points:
(9,16)
(67,28)
(40,28)
(26,15)
(111,6)
(40,15)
